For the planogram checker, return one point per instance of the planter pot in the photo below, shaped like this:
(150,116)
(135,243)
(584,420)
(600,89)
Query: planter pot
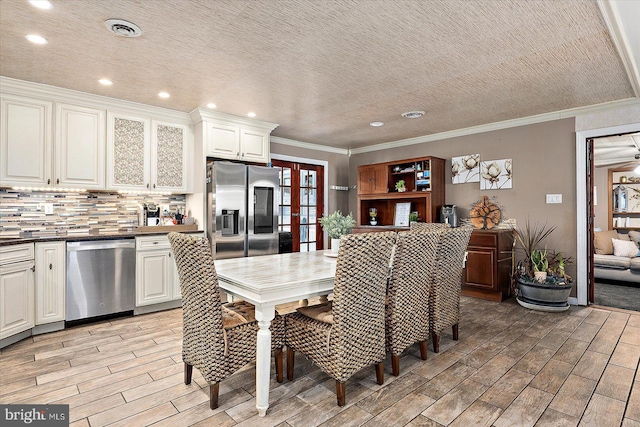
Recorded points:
(541,276)
(542,296)
(335,245)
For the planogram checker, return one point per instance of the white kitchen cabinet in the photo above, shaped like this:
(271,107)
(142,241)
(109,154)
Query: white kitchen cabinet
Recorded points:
(79,147)
(145,155)
(254,146)
(156,275)
(25,142)
(16,289)
(237,143)
(50,282)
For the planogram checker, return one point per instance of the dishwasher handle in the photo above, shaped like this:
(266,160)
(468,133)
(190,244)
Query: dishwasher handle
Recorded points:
(93,245)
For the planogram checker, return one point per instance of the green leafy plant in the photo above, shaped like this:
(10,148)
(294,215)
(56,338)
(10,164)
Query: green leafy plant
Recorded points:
(539,261)
(413,217)
(337,224)
(400,185)
(528,239)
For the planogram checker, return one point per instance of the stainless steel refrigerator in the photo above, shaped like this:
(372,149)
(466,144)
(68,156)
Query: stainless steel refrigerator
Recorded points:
(242,216)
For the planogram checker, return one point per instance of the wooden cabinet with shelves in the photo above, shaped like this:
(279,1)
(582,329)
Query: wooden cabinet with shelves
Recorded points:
(626,214)
(488,264)
(424,188)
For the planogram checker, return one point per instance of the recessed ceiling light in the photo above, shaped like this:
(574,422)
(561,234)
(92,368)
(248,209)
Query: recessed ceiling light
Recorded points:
(42,4)
(251,114)
(36,39)
(211,105)
(105,82)
(163,95)
(376,124)
(412,114)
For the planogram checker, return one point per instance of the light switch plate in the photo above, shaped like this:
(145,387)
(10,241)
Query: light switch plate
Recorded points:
(48,208)
(554,198)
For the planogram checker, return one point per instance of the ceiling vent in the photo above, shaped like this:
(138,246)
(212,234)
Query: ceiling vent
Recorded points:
(412,114)
(122,28)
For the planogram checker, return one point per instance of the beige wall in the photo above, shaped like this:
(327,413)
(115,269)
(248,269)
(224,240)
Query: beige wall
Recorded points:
(337,170)
(543,163)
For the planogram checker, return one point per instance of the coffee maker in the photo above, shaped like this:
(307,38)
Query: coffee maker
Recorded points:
(449,215)
(152,214)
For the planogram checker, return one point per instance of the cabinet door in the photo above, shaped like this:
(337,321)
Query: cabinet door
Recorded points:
(480,270)
(16,298)
(128,152)
(25,142)
(223,141)
(175,284)
(168,157)
(50,282)
(153,277)
(80,147)
(254,146)
(372,179)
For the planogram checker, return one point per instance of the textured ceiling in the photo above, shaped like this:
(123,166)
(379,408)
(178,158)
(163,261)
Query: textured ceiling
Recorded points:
(324,69)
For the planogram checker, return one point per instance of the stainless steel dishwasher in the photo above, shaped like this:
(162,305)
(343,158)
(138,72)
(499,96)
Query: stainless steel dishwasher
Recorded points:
(101,278)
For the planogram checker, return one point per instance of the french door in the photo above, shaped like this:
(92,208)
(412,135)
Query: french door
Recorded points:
(301,203)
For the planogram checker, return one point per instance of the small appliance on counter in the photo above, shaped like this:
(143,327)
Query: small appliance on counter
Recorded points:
(449,215)
(152,214)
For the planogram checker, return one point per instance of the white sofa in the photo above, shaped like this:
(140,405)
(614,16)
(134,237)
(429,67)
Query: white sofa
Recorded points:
(610,267)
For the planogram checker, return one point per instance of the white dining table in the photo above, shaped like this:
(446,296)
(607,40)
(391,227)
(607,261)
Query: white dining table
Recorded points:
(266,281)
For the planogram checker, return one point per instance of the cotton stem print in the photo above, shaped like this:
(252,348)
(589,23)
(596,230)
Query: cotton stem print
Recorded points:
(465,169)
(496,174)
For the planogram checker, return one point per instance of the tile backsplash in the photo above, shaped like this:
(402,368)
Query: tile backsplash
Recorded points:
(24,211)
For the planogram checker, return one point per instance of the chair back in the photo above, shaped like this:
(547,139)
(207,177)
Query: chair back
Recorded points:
(203,339)
(412,271)
(360,285)
(428,226)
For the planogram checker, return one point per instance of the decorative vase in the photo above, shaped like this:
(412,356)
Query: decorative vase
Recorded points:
(541,276)
(335,245)
(373,222)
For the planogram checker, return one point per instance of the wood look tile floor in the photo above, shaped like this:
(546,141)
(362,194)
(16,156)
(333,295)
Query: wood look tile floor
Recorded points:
(511,367)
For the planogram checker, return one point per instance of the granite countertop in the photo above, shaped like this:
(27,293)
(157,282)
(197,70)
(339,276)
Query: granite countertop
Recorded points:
(71,237)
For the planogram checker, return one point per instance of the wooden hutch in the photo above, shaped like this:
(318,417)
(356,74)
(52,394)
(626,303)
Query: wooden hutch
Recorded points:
(424,182)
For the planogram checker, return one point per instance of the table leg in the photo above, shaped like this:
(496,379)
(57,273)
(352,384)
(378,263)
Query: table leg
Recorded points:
(264,316)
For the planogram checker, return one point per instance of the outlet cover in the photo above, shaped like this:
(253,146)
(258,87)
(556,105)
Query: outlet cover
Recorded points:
(48,208)
(554,198)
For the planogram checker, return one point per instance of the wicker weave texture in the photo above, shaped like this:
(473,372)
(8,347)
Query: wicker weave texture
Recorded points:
(428,226)
(357,337)
(414,261)
(444,294)
(215,351)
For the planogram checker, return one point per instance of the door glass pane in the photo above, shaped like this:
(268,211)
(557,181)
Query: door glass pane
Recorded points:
(286,195)
(285,228)
(312,233)
(312,197)
(304,247)
(286,176)
(304,178)
(312,179)
(285,214)
(312,215)
(304,196)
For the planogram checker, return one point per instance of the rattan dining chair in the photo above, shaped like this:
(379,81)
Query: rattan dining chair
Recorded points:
(217,339)
(428,226)
(407,310)
(444,292)
(347,334)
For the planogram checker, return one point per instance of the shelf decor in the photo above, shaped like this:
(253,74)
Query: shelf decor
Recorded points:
(403,210)
(465,169)
(496,174)
(485,214)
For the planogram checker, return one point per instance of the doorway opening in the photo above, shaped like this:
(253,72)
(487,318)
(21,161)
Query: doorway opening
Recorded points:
(301,204)
(613,202)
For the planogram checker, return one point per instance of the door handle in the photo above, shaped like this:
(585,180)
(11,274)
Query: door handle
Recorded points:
(50,266)
(295,214)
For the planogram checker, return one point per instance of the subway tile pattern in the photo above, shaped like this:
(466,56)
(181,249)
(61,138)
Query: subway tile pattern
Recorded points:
(75,212)
(169,169)
(128,143)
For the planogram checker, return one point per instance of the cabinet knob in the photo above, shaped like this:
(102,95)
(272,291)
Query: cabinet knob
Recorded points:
(58,181)
(154,186)
(169,254)
(33,268)
(48,181)
(50,266)
(147,185)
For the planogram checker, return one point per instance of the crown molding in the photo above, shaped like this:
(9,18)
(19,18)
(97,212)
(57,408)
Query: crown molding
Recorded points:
(310,146)
(621,27)
(540,118)
(57,94)
(200,114)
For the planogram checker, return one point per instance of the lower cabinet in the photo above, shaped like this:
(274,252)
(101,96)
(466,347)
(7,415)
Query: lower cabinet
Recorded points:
(50,282)
(156,273)
(489,257)
(16,289)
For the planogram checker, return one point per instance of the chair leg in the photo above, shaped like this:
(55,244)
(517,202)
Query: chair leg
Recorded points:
(291,358)
(454,331)
(380,373)
(279,367)
(435,338)
(214,389)
(188,372)
(423,350)
(341,389)
(395,365)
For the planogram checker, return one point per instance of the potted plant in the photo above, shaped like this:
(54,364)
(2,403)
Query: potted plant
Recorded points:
(539,278)
(400,187)
(336,225)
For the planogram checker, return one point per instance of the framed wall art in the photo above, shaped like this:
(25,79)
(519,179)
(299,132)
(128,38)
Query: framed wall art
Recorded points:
(496,174)
(465,169)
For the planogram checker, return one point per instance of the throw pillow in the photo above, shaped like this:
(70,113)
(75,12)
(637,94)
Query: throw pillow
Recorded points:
(602,241)
(624,248)
(634,236)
